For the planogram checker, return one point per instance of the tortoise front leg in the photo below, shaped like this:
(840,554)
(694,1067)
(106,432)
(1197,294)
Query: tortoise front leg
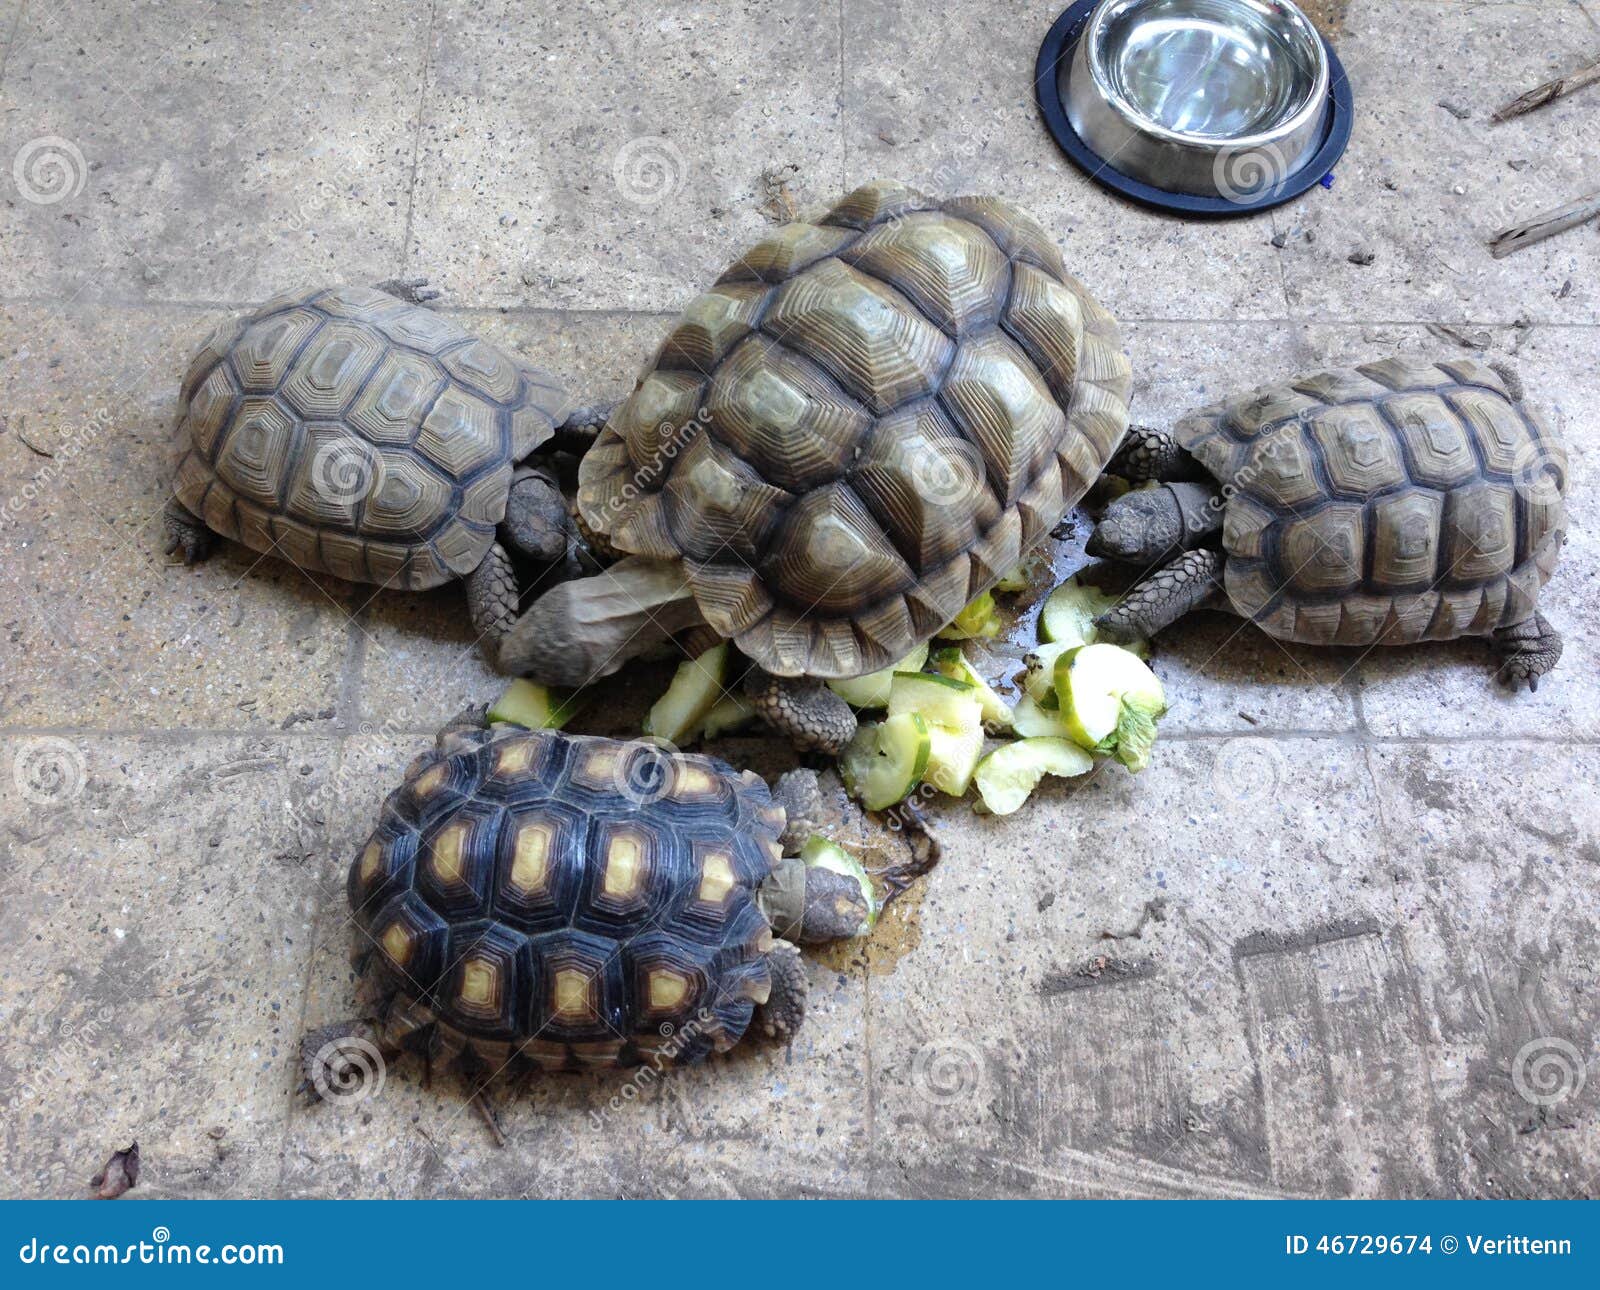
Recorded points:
(1190,581)
(492,595)
(802,709)
(1526,651)
(1147,453)
(187,532)
(781,1016)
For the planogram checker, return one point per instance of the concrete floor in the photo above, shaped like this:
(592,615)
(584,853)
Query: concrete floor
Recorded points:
(1376,874)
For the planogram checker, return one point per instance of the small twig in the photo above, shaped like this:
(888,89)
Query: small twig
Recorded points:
(1549,92)
(27,442)
(1508,240)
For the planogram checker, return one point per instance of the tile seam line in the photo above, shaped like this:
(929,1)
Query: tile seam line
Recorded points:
(11,42)
(448,306)
(416,138)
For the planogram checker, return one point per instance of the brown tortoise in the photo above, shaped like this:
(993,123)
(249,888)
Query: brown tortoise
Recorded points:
(355,433)
(856,431)
(1393,502)
(531,898)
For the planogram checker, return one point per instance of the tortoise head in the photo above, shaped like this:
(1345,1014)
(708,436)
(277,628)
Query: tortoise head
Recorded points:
(1141,526)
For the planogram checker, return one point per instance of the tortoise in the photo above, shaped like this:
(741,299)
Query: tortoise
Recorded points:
(862,425)
(358,434)
(1392,502)
(558,902)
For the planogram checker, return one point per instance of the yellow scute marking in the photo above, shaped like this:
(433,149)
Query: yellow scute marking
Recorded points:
(478,982)
(716,876)
(530,863)
(667,989)
(513,757)
(369,860)
(447,852)
(396,944)
(572,993)
(693,781)
(429,781)
(624,865)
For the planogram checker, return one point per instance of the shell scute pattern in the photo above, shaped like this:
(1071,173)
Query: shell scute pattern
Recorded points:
(358,435)
(855,430)
(568,901)
(1392,502)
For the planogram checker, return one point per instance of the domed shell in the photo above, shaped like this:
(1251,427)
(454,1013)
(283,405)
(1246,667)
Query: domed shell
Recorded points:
(1389,503)
(862,425)
(568,901)
(358,435)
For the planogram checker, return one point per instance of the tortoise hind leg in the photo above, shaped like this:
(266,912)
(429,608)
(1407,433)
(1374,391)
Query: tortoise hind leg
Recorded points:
(492,595)
(785,1009)
(1147,453)
(1189,582)
(187,532)
(1526,651)
(802,709)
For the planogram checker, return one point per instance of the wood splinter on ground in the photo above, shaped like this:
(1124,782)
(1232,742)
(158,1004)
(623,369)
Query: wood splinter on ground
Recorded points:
(1544,225)
(1549,92)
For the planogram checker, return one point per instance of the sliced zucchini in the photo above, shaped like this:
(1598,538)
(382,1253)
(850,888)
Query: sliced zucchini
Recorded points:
(1068,615)
(886,760)
(1022,576)
(822,853)
(941,700)
(953,754)
(1110,701)
(1032,720)
(872,690)
(953,663)
(696,687)
(527,703)
(731,712)
(1040,679)
(977,620)
(1008,775)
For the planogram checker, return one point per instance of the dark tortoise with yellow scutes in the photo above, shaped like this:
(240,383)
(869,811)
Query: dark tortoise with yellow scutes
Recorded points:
(1385,504)
(566,902)
(863,425)
(354,433)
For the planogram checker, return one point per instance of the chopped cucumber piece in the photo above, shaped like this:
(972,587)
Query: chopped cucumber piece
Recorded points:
(977,620)
(1008,775)
(886,760)
(730,712)
(696,687)
(953,754)
(1032,721)
(1068,616)
(1109,696)
(821,853)
(953,663)
(527,703)
(1022,577)
(940,700)
(1040,679)
(872,690)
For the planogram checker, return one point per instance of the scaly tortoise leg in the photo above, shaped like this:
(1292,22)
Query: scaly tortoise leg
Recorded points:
(1189,582)
(492,595)
(1147,453)
(785,1009)
(187,532)
(802,709)
(1526,651)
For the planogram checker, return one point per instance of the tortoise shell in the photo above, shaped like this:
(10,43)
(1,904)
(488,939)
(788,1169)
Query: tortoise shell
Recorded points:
(358,435)
(862,425)
(568,901)
(1392,502)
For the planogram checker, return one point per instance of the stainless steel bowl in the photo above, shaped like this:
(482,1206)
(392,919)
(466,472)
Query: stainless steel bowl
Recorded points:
(1217,98)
